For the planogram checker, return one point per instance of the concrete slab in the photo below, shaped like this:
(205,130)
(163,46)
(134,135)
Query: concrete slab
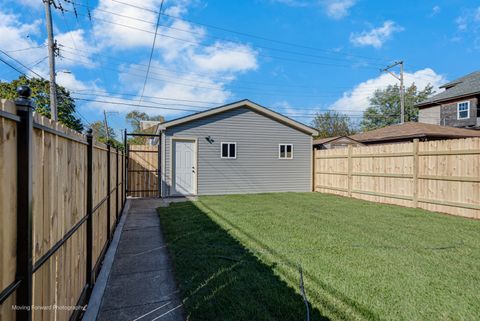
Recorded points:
(141,284)
(163,310)
(151,260)
(138,288)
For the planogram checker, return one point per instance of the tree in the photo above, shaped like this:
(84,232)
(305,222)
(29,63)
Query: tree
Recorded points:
(332,123)
(40,94)
(384,109)
(98,131)
(134,118)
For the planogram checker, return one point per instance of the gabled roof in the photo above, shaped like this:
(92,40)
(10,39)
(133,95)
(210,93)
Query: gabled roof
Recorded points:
(465,86)
(239,104)
(326,140)
(412,130)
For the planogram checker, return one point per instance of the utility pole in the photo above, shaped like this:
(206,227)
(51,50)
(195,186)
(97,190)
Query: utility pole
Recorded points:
(402,90)
(105,123)
(52,48)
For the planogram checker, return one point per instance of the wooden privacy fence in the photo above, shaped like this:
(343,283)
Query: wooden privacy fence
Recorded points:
(143,172)
(441,176)
(61,195)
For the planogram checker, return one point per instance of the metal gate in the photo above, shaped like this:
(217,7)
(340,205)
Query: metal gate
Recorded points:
(143,167)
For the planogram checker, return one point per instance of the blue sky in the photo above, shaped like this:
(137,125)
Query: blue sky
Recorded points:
(297,57)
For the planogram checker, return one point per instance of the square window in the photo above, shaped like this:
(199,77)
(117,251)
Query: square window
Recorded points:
(463,110)
(229,150)
(285,151)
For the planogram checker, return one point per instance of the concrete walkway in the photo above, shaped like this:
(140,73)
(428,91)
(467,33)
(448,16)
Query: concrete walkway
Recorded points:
(141,285)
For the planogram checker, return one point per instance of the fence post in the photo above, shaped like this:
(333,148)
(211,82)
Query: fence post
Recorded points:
(89,258)
(116,187)
(123,179)
(24,202)
(109,191)
(125,144)
(314,175)
(415,172)
(350,165)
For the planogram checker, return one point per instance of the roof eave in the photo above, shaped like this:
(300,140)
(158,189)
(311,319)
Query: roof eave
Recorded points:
(263,110)
(436,102)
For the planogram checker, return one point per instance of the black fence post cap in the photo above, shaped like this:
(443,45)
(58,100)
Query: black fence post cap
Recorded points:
(24,92)
(89,132)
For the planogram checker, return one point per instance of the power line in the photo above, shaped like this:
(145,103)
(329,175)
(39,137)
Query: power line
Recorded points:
(29,68)
(21,64)
(224,39)
(196,43)
(25,49)
(162,107)
(221,89)
(184,77)
(251,35)
(151,51)
(11,66)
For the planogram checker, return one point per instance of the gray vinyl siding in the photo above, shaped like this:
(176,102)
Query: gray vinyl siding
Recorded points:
(257,167)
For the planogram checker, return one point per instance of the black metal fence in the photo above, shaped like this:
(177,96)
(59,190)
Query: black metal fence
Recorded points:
(22,286)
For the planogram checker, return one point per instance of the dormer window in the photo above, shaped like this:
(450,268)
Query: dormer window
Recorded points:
(463,110)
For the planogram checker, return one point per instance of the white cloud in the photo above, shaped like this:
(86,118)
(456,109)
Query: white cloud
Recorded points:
(69,81)
(115,35)
(462,23)
(335,9)
(375,37)
(73,41)
(16,39)
(435,10)
(293,3)
(468,28)
(338,9)
(180,69)
(31,3)
(356,100)
(226,57)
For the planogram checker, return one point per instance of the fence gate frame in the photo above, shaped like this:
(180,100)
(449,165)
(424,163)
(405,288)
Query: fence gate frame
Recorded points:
(159,163)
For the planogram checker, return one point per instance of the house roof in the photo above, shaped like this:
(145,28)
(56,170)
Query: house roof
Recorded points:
(326,140)
(465,86)
(239,104)
(412,130)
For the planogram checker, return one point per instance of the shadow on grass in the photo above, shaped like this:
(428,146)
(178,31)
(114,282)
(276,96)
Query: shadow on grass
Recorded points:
(219,279)
(331,300)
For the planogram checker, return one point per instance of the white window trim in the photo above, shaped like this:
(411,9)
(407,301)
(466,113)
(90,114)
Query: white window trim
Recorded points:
(468,109)
(221,150)
(279,157)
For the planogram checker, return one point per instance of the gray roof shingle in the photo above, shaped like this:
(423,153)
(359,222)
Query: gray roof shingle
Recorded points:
(464,86)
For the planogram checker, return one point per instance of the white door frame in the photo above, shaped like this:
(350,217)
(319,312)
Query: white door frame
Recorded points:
(195,161)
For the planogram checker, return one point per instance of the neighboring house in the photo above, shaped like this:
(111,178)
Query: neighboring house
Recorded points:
(408,131)
(457,106)
(335,142)
(237,148)
(145,124)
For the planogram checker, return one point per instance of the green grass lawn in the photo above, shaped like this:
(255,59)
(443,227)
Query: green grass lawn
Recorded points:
(236,258)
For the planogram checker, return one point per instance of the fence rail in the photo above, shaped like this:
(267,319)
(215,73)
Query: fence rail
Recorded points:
(442,176)
(60,199)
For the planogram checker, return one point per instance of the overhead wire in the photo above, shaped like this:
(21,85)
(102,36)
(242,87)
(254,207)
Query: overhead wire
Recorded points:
(151,51)
(226,39)
(31,70)
(251,35)
(196,43)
